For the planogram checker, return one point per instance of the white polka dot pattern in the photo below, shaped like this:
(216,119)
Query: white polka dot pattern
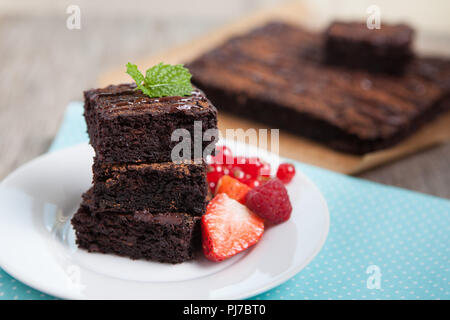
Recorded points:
(403,233)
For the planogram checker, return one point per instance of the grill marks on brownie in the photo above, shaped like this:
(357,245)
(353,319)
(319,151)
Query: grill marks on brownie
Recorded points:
(278,62)
(332,104)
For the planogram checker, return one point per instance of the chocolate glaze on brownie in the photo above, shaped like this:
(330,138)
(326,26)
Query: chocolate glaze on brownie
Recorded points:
(165,237)
(275,74)
(125,126)
(155,187)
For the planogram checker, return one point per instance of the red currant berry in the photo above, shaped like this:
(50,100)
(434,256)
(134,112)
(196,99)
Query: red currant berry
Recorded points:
(286,172)
(238,173)
(239,161)
(254,183)
(223,155)
(248,177)
(253,166)
(214,176)
(213,167)
(265,169)
(219,168)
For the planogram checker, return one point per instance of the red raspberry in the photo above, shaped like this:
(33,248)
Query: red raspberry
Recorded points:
(286,172)
(270,201)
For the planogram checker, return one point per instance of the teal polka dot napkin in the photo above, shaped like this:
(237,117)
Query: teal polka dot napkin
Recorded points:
(384,242)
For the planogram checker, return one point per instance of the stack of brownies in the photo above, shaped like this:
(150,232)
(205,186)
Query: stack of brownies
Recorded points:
(142,204)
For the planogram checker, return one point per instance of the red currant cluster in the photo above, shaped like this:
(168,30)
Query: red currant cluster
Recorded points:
(252,171)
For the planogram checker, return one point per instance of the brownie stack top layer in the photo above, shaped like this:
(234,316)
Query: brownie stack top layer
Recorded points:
(275,74)
(126,126)
(156,187)
(165,237)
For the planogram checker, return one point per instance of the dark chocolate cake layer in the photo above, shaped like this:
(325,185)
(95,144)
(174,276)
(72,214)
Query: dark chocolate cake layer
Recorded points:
(154,187)
(125,126)
(276,75)
(164,237)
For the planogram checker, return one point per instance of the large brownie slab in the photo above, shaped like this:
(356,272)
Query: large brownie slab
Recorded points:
(126,126)
(154,187)
(276,75)
(164,237)
(354,45)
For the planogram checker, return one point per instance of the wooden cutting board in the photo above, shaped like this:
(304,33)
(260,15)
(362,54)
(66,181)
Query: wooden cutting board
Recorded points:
(291,146)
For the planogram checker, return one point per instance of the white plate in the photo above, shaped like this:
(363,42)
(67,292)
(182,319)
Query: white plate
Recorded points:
(37,241)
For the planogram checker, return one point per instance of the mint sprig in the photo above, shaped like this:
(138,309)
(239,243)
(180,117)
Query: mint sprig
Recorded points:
(162,80)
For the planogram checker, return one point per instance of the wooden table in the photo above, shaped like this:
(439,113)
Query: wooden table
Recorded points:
(44,66)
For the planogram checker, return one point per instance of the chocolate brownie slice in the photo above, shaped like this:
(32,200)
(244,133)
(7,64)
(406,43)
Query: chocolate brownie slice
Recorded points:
(155,187)
(164,237)
(353,45)
(275,74)
(126,126)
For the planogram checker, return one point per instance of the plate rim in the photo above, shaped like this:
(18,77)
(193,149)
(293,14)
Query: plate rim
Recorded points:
(36,285)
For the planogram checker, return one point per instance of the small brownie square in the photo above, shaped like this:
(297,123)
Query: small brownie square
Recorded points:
(124,125)
(353,45)
(164,237)
(155,187)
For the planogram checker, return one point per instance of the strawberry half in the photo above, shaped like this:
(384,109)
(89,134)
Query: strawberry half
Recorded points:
(233,188)
(228,228)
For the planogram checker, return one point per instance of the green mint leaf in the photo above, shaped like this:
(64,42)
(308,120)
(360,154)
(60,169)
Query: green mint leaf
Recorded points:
(162,80)
(137,76)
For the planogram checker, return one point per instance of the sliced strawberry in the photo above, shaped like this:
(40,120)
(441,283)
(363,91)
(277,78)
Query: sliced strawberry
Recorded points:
(233,188)
(228,228)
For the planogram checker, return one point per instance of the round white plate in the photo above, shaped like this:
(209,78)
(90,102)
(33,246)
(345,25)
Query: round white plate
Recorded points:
(37,244)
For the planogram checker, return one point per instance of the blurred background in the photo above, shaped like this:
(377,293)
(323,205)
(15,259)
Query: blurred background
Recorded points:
(44,65)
